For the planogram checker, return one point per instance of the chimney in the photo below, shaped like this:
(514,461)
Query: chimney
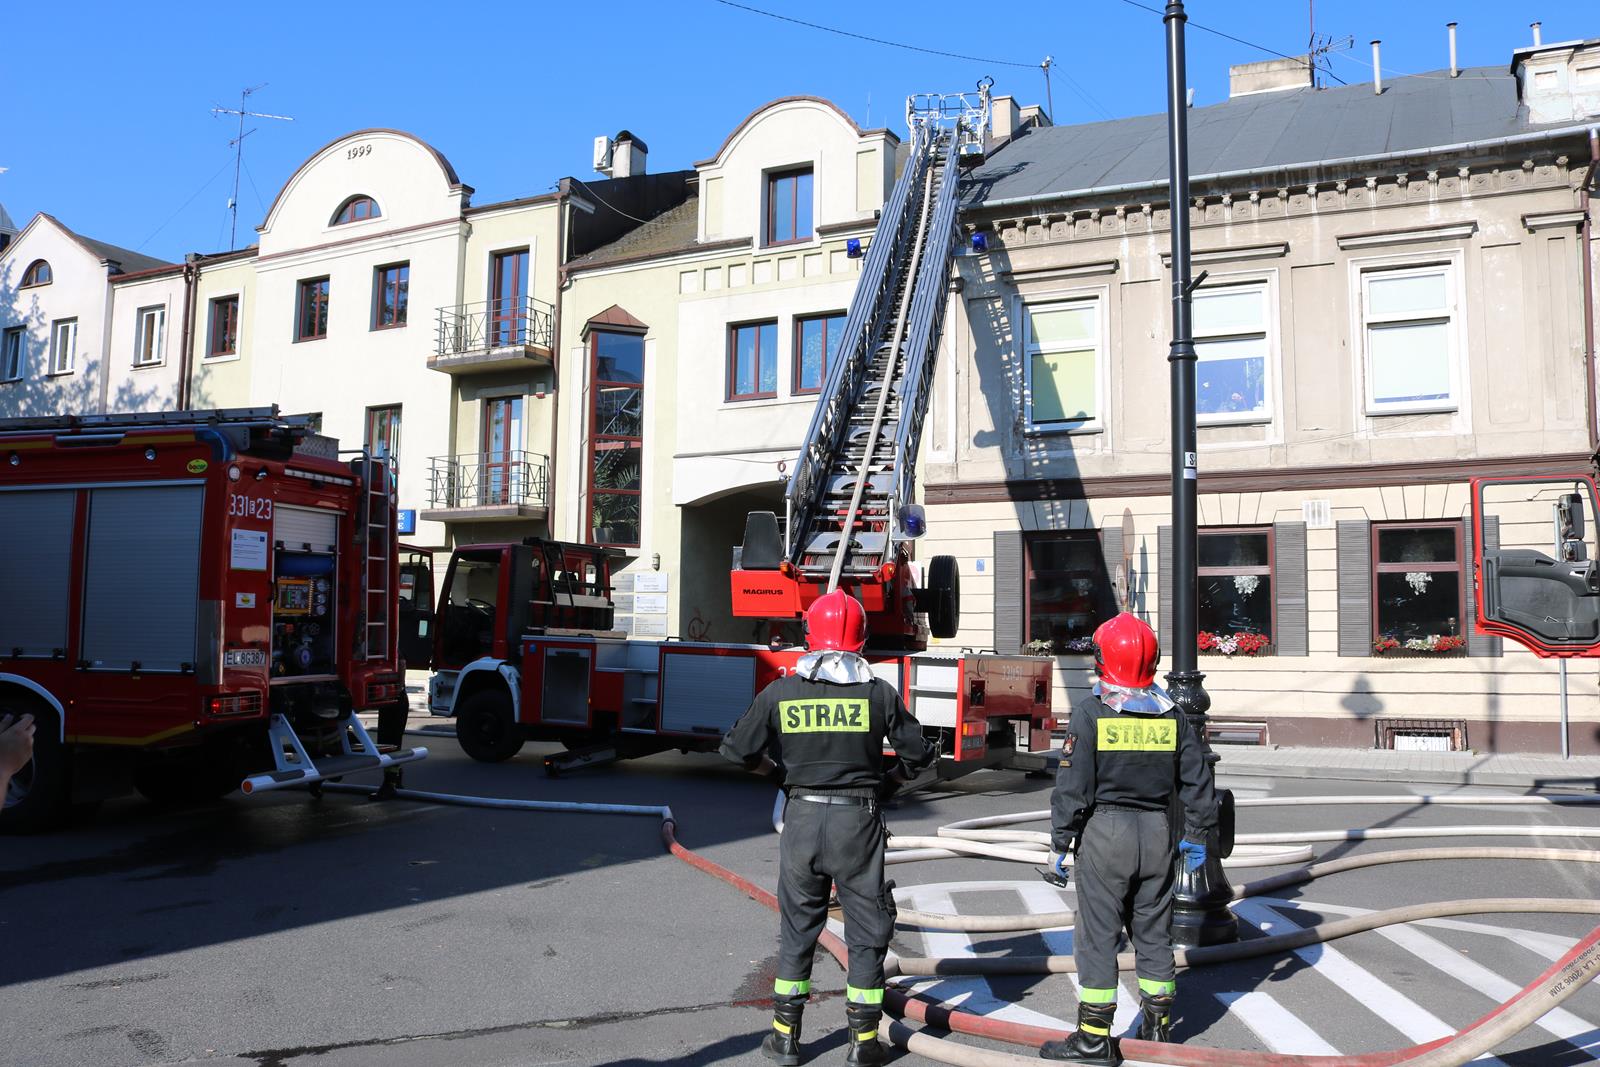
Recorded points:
(1005,117)
(1377,71)
(1454,70)
(628,155)
(1271,76)
(1538,36)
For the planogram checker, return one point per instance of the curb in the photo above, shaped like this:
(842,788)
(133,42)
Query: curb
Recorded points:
(1532,783)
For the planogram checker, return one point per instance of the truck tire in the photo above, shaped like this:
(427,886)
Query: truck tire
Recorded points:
(944,592)
(39,796)
(485,729)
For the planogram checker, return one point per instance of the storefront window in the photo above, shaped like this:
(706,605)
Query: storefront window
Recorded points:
(1069,591)
(1235,591)
(1417,603)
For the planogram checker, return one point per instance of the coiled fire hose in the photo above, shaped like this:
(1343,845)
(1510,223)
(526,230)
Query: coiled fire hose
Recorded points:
(1551,988)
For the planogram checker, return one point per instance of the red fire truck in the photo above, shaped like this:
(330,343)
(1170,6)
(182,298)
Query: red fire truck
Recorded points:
(194,602)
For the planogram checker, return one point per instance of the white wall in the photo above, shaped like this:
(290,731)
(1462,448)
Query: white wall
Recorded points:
(153,387)
(80,290)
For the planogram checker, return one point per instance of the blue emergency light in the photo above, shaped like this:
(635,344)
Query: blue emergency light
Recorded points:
(980,243)
(852,247)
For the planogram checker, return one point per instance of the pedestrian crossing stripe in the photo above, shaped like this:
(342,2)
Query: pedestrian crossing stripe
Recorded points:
(1131,735)
(826,716)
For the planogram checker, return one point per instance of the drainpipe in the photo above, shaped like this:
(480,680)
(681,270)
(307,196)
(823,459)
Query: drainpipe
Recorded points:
(1586,247)
(563,212)
(191,277)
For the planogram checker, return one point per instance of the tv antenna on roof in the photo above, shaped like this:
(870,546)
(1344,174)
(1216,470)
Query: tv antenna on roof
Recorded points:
(237,144)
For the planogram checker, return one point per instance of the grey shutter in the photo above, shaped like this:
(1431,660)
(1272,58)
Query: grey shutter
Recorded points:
(1289,587)
(35,570)
(305,529)
(1478,644)
(1010,599)
(1355,587)
(1111,557)
(1164,593)
(141,582)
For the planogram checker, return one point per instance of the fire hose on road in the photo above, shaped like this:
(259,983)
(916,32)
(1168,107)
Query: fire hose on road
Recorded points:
(979,837)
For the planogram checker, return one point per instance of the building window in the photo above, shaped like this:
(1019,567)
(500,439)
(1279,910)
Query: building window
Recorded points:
(224,329)
(616,437)
(503,475)
(1236,591)
(63,346)
(11,354)
(753,361)
(1230,341)
(816,347)
(383,432)
(311,314)
(150,336)
(356,209)
(1062,366)
(788,206)
(1069,592)
(1418,595)
(390,285)
(1409,334)
(38,273)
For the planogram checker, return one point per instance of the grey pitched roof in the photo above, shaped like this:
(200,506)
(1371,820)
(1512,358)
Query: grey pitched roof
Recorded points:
(128,260)
(6,225)
(1263,132)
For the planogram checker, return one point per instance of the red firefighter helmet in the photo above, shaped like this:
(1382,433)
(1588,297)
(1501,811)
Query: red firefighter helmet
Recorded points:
(836,621)
(1126,651)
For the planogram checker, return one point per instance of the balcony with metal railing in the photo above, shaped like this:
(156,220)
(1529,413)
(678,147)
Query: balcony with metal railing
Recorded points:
(493,335)
(485,486)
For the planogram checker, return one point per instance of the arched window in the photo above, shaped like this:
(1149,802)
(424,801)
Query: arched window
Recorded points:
(38,273)
(355,209)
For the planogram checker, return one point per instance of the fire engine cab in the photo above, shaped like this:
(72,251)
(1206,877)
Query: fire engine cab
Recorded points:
(193,602)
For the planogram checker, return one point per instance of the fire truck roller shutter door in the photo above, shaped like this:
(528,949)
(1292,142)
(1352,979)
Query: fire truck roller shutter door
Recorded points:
(35,570)
(142,577)
(296,528)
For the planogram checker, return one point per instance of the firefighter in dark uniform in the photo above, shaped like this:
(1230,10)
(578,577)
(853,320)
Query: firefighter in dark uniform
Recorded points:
(826,723)
(1125,751)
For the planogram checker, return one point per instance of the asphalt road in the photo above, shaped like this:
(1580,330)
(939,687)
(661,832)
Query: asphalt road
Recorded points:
(282,931)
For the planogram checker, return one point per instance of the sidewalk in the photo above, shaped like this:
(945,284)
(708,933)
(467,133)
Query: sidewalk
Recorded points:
(1527,771)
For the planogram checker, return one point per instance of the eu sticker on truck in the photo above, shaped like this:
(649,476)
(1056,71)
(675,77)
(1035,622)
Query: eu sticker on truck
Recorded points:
(244,657)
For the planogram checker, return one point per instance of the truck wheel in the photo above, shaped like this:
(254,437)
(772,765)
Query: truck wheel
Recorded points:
(485,729)
(944,591)
(38,797)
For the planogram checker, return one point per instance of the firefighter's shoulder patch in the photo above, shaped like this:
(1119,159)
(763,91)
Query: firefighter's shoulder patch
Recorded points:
(1069,744)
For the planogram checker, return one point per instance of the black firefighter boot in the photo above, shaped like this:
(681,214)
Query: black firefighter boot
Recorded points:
(1091,1042)
(1155,1023)
(782,1043)
(861,1020)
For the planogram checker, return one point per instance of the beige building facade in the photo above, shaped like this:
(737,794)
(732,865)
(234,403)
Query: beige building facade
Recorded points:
(1394,303)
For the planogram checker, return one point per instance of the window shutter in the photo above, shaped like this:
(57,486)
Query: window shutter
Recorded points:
(1111,557)
(1289,584)
(1164,595)
(1010,600)
(1478,644)
(1355,587)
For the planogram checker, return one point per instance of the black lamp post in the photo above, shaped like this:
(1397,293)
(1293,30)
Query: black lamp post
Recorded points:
(1200,914)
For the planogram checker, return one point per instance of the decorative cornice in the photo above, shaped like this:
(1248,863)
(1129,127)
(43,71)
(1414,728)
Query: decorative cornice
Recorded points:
(1549,220)
(1271,250)
(1057,273)
(1276,479)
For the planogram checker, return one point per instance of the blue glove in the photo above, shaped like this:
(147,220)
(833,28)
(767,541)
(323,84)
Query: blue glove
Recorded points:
(1193,853)
(1059,865)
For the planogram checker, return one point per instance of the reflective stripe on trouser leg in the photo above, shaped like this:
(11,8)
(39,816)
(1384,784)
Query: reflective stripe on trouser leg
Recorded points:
(1151,988)
(785,987)
(1090,995)
(871,997)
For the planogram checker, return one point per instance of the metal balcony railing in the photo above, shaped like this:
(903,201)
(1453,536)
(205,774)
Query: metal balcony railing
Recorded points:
(489,479)
(491,324)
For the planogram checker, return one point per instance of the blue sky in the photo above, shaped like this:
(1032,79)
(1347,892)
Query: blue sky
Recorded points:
(108,127)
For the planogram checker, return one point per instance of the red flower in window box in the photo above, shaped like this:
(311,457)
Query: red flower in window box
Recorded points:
(1385,644)
(1241,644)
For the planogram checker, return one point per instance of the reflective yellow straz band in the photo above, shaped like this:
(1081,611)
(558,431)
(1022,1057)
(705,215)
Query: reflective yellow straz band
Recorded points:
(1127,734)
(824,716)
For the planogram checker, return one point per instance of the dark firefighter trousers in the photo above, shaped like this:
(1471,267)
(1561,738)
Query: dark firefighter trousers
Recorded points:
(1125,875)
(842,844)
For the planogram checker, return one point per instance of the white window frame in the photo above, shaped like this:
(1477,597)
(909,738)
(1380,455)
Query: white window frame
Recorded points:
(1266,284)
(1363,271)
(144,354)
(58,365)
(1025,306)
(15,355)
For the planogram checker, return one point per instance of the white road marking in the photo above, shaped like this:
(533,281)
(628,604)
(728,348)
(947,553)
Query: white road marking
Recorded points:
(1558,1021)
(1277,1027)
(1394,1007)
(1550,946)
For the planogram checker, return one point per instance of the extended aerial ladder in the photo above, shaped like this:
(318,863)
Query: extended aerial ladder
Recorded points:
(850,510)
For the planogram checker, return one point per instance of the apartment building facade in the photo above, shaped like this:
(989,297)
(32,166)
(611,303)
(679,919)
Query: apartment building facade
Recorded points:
(1393,304)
